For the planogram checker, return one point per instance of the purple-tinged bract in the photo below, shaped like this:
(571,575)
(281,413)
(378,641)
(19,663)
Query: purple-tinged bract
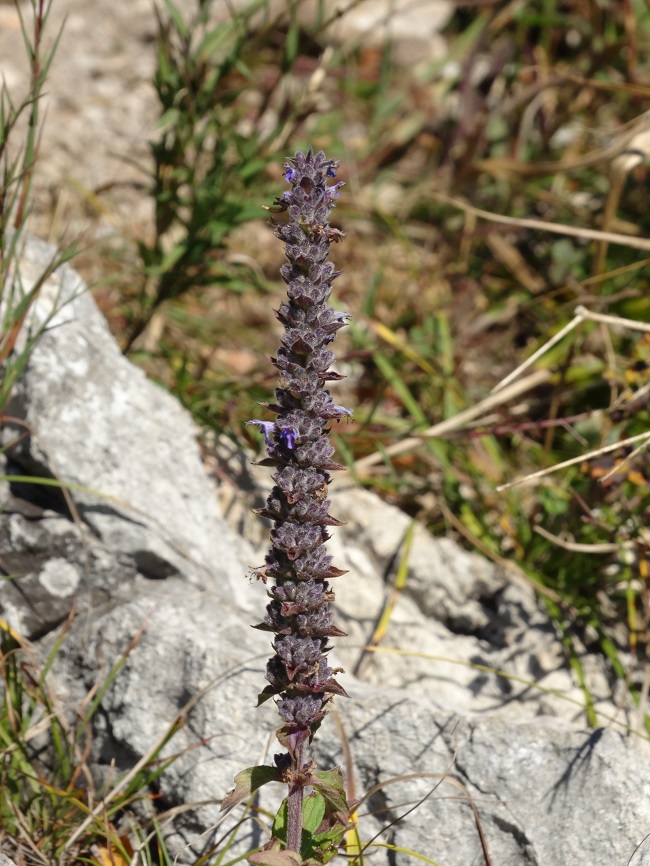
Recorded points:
(298,445)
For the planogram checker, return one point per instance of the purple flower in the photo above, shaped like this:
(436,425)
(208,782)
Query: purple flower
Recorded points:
(333,191)
(289,436)
(297,564)
(267,428)
(298,445)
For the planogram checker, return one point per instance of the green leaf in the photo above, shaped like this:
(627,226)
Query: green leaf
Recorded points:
(177,18)
(330,784)
(313,812)
(280,822)
(247,782)
(331,838)
(329,779)
(291,44)
(325,810)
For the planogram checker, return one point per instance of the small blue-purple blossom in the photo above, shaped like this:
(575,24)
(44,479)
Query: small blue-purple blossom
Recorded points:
(333,191)
(267,428)
(288,436)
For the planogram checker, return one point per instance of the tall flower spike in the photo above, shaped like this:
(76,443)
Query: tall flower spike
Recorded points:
(297,444)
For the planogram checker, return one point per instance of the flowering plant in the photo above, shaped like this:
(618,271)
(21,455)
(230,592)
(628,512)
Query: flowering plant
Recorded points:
(307,829)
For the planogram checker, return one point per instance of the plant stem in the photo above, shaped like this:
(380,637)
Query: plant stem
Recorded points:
(31,144)
(294,804)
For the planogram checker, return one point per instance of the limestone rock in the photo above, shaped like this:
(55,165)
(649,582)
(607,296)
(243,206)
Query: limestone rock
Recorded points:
(523,777)
(122,447)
